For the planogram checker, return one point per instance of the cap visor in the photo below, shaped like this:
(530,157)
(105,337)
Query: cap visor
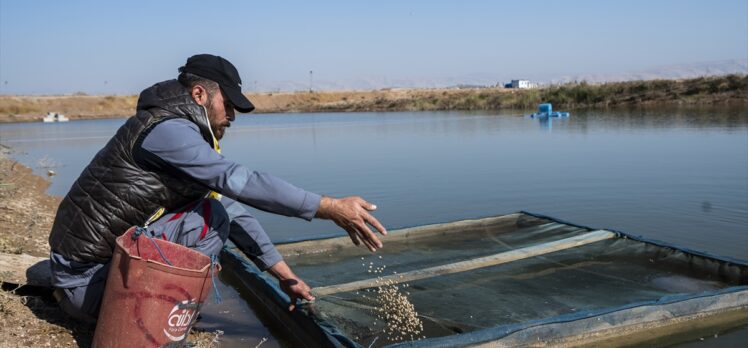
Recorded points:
(241,103)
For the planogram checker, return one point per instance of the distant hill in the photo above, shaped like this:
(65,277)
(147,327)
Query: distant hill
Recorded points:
(670,72)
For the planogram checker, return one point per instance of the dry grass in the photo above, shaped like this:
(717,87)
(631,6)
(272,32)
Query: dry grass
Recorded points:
(699,91)
(34,108)
(204,339)
(31,321)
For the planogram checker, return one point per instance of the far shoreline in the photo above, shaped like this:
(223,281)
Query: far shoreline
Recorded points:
(703,91)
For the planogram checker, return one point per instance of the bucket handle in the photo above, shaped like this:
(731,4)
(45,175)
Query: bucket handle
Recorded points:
(144,231)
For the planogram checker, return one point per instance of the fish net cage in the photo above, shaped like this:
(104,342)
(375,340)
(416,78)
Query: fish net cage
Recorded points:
(517,279)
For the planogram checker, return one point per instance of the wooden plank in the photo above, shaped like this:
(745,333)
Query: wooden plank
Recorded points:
(467,265)
(24,269)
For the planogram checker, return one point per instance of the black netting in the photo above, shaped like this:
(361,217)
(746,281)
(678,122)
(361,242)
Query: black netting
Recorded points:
(573,283)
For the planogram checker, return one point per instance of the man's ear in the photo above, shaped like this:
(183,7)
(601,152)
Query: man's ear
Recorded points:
(199,94)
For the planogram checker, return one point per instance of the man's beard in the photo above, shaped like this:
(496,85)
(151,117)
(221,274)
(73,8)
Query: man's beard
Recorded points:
(216,129)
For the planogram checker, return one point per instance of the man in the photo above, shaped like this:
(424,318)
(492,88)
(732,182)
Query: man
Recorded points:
(167,156)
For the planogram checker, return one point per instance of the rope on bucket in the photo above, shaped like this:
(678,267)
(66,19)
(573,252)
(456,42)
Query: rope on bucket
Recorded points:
(144,231)
(213,258)
(213,267)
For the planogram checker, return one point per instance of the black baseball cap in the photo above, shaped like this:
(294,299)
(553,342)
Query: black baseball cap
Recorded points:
(224,73)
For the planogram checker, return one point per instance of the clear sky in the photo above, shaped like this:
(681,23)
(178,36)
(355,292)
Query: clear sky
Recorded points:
(121,47)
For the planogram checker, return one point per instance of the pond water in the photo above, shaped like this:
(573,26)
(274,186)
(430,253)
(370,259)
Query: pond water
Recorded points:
(678,175)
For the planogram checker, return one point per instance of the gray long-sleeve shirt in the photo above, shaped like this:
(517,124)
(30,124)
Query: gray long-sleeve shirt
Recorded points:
(176,144)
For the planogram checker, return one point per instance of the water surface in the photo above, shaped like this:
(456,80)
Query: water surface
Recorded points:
(676,175)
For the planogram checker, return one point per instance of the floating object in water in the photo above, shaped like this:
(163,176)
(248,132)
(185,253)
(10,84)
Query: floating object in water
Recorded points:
(51,172)
(54,117)
(546,110)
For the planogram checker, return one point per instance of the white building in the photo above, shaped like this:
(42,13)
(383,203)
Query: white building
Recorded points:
(523,84)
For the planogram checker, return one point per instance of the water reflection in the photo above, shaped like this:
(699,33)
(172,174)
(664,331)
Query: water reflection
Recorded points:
(646,171)
(726,117)
(546,123)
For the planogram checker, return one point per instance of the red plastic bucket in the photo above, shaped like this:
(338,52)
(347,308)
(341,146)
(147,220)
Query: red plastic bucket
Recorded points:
(147,302)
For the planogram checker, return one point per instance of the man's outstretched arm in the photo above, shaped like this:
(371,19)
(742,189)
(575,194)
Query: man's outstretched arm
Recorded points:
(176,145)
(352,215)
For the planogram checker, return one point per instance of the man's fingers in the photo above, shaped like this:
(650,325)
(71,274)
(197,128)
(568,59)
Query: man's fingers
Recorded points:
(352,214)
(368,206)
(371,219)
(293,303)
(369,245)
(367,242)
(368,236)
(374,222)
(352,233)
(360,233)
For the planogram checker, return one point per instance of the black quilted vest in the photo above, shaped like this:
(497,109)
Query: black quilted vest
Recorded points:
(115,191)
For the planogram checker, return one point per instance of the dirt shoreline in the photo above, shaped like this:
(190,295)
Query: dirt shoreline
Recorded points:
(77,107)
(29,316)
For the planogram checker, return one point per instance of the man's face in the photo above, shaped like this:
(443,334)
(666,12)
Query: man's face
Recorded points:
(220,114)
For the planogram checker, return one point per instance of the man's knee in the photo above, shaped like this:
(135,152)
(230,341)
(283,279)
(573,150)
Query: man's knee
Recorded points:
(203,226)
(215,230)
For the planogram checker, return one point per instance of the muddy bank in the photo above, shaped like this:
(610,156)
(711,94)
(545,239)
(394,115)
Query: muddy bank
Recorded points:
(26,211)
(30,317)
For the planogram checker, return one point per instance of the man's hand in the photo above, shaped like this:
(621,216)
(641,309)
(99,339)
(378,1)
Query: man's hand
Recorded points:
(352,214)
(292,285)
